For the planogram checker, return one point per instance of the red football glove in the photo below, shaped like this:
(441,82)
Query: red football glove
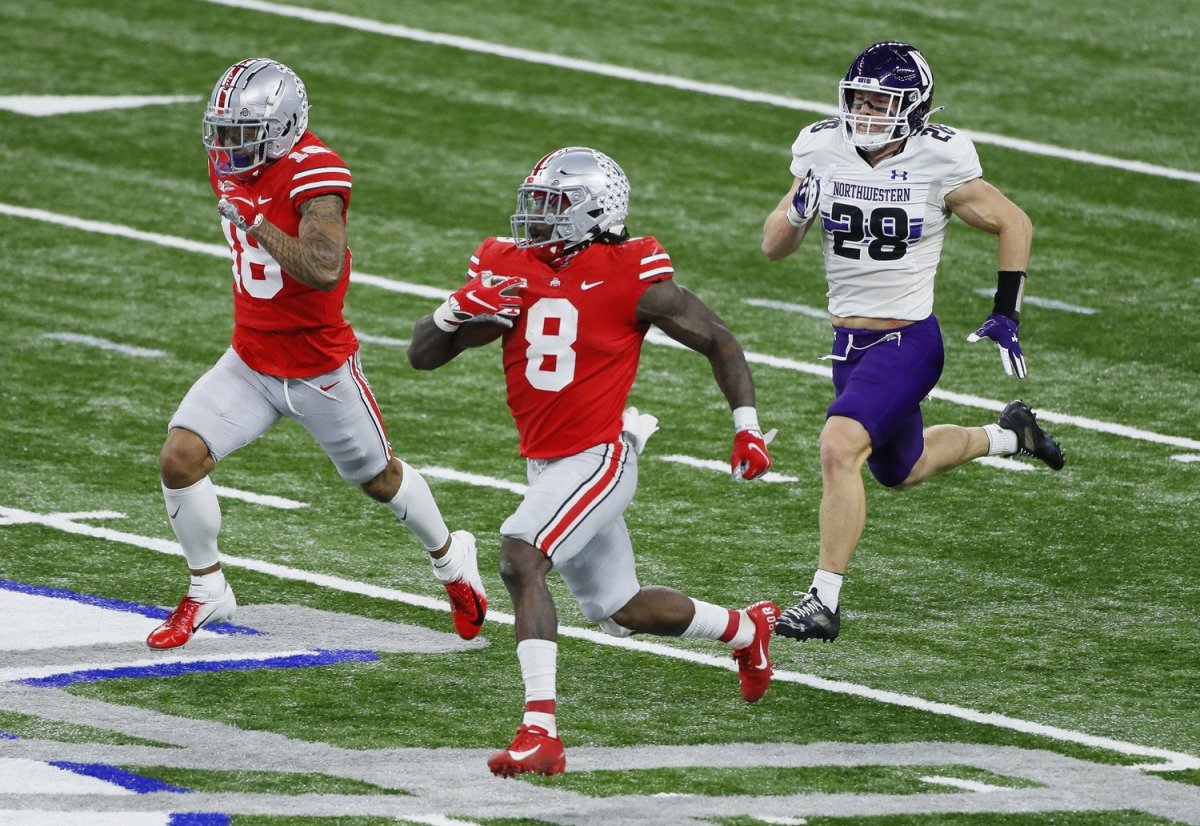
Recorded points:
(238,207)
(485,298)
(750,458)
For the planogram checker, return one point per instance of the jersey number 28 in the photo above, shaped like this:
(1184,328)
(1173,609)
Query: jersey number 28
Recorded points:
(888,227)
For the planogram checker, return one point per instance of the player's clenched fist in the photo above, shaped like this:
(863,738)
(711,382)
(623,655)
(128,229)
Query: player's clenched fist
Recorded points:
(237,206)
(487,297)
(750,457)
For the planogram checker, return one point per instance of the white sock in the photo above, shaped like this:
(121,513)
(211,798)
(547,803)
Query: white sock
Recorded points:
(195,516)
(829,586)
(207,586)
(1001,442)
(449,566)
(539,666)
(712,622)
(414,506)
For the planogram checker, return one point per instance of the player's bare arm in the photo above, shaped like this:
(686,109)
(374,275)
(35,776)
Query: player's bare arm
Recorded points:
(316,257)
(984,207)
(680,314)
(780,237)
(430,347)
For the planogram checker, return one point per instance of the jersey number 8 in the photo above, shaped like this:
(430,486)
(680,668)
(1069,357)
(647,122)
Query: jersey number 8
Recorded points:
(551,327)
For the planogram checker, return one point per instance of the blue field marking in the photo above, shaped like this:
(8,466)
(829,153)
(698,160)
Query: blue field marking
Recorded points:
(199,819)
(95,675)
(152,611)
(4,735)
(134,782)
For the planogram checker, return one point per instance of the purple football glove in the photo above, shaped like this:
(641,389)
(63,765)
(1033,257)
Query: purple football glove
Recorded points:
(806,200)
(1003,330)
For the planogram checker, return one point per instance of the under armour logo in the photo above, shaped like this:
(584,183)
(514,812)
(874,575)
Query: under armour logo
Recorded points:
(899,174)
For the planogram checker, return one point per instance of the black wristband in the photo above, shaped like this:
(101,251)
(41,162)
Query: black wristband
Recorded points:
(1010,289)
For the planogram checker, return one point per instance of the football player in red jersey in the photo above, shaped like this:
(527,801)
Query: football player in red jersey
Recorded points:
(573,296)
(283,197)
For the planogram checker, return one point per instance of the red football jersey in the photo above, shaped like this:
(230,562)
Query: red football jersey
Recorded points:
(571,358)
(280,326)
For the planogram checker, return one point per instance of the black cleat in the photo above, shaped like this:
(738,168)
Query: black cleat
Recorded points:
(809,619)
(1031,439)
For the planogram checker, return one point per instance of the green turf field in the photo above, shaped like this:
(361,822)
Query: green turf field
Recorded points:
(1017,647)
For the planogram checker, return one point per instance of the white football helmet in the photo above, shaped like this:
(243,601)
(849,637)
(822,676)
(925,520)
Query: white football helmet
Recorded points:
(572,196)
(257,112)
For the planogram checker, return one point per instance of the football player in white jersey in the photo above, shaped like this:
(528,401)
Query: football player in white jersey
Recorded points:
(880,183)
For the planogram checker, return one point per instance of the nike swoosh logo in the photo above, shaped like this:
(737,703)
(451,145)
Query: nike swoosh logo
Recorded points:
(325,387)
(756,447)
(471,295)
(762,655)
(262,200)
(586,286)
(177,509)
(521,755)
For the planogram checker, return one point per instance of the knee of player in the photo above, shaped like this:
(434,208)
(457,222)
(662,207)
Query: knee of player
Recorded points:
(843,450)
(386,484)
(184,459)
(520,562)
(610,626)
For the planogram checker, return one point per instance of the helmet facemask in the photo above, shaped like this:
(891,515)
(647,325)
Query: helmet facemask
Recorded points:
(880,116)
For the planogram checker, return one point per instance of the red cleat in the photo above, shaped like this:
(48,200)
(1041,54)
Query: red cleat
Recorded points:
(754,666)
(190,617)
(468,603)
(532,750)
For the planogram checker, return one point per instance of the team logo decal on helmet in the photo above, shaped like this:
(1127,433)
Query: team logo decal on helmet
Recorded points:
(571,197)
(257,112)
(886,95)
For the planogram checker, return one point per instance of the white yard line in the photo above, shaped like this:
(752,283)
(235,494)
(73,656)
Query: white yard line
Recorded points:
(959,783)
(471,44)
(264,499)
(720,467)
(1170,760)
(105,344)
(654,337)
(788,307)
(1045,303)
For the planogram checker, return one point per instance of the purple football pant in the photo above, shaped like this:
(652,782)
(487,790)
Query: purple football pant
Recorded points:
(879,380)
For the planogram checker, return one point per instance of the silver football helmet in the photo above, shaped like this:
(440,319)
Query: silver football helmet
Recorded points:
(257,112)
(572,196)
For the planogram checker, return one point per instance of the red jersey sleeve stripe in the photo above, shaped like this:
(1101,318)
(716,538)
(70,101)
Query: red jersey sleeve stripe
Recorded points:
(650,259)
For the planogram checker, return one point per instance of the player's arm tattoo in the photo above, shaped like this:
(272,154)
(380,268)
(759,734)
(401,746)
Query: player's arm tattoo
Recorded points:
(680,314)
(316,257)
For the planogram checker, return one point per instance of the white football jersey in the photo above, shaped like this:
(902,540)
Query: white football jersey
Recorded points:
(882,227)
